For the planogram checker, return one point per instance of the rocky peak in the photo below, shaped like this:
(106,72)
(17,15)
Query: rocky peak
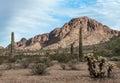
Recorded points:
(23,39)
(93,33)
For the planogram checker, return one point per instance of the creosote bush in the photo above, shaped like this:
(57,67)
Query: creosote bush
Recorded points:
(64,58)
(99,67)
(39,69)
(69,65)
(25,63)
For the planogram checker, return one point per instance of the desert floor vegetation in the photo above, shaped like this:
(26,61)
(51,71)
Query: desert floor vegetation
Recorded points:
(45,70)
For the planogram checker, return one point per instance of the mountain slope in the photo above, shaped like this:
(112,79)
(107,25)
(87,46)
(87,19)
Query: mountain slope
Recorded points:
(93,33)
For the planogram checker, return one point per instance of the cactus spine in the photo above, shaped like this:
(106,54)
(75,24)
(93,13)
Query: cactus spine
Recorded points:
(12,44)
(80,45)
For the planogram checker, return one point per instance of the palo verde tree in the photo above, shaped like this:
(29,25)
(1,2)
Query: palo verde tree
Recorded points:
(80,45)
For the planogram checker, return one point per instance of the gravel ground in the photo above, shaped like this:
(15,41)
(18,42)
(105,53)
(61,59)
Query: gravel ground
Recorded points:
(55,75)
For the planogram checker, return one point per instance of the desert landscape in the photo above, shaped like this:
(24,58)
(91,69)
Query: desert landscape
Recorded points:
(65,55)
(55,74)
(59,41)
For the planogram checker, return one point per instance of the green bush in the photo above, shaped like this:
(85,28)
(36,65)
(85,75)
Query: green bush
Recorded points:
(62,57)
(44,60)
(114,45)
(11,60)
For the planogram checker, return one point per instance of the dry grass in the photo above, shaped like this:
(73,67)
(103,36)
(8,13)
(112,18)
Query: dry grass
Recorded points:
(56,75)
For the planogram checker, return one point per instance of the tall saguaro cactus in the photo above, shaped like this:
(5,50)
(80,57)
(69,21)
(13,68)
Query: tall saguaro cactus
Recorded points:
(71,49)
(12,44)
(80,45)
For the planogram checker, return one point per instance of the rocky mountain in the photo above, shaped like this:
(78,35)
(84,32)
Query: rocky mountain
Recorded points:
(93,33)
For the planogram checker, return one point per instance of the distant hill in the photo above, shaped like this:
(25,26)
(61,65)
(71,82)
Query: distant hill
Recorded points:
(93,33)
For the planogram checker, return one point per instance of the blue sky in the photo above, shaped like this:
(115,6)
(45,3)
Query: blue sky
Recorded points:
(27,18)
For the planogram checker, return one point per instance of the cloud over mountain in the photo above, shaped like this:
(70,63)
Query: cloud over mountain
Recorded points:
(31,17)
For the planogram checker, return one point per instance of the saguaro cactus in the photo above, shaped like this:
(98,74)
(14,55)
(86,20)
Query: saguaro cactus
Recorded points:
(71,49)
(80,45)
(12,44)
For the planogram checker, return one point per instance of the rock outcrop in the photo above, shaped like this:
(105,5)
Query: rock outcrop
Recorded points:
(93,33)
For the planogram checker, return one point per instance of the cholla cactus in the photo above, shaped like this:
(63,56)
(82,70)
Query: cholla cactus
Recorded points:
(102,61)
(97,66)
(109,70)
(91,65)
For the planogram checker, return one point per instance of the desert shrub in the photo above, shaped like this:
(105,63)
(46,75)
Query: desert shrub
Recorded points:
(62,57)
(114,46)
(11,60)
(1,73)
(114,58)
(1,60)
(10,66)
(98,67)
(35,59)
(25,63)
(48,62)
(20,56)
(103,53)
(44,60)
(39,69)
(63,66)
(69,65)
(72,64)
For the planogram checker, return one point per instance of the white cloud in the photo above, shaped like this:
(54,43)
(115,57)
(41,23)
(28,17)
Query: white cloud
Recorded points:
(110,12)
(105,11)
(32,17)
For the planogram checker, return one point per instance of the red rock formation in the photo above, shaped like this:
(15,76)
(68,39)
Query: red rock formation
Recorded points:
(93,33)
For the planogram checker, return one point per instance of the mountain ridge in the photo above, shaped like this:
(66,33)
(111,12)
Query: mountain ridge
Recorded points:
(94,32)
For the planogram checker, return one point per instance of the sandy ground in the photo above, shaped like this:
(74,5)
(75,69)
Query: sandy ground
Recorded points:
(55,75)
